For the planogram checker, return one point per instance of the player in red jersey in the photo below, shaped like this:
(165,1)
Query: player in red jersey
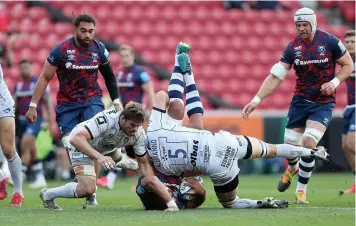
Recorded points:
(313,54)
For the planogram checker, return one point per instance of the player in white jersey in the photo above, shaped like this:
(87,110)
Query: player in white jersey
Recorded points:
(7,143)
(179,150)
(100,138)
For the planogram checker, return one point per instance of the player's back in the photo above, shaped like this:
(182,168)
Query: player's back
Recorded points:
(77,70)
(175,149)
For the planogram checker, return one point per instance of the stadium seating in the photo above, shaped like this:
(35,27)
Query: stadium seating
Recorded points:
(232,50)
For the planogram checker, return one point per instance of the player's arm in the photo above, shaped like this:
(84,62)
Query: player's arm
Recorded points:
(277,74)
(46,76)
(343,58)
(151,182)
(199,193)
(94,127)
(147,86)
(110,81)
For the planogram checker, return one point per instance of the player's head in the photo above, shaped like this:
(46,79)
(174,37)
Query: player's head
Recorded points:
(305,22)
(26,68)
(127,56)
(84,26)
(132,117)
(349,38)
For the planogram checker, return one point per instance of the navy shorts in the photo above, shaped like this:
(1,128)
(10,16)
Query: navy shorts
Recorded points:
(69,115)
(349,123)
(25,127)
(302,110)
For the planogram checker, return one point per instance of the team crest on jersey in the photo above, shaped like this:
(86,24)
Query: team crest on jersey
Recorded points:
(297,48)
(95,57)
(321,50)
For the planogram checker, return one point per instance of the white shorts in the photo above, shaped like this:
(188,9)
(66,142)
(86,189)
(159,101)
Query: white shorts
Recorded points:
(6,104)
(223,164)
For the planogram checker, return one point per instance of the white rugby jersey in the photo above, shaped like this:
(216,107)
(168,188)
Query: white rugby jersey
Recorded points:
(5,95)
(104,128)
(175,149)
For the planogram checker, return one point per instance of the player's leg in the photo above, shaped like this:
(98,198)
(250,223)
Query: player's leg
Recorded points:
(318,120)
(83,186)
(28,143)
(7,143)
(227,196)
(348,144)
(296,120)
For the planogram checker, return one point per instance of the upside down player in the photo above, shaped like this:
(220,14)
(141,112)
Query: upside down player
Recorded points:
(76,61)
(348,137)
(151,201)
(177,150)
(313,54)
(7,144)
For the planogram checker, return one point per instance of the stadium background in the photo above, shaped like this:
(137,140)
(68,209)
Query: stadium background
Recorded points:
(233,51)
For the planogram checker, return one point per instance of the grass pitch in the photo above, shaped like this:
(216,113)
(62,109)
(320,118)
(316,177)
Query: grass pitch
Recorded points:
(121,206)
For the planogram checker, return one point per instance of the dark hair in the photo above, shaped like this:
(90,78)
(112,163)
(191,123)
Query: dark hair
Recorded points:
(349,33)
(128,48)
(25,61)
(83,18)
(134,111)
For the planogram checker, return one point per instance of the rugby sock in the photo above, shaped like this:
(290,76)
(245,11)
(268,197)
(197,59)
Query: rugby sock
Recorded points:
(24,169)
(68,190)
(291,151)
(293,163)
(112,175)
(37,168)
(242,203)
(306,166)
(176,85)
(16,173)
(193,102)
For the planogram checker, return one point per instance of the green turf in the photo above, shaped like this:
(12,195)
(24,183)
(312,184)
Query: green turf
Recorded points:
(122,207)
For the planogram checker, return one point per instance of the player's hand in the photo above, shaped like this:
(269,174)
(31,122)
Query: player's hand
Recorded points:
(248,109)
(106,162)
(118,105)
(31,115)
(327,89)
(197,188)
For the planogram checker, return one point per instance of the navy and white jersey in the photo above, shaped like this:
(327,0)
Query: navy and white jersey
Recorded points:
(314,64)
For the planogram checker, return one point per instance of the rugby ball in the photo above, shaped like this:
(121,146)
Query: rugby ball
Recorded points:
(184,188)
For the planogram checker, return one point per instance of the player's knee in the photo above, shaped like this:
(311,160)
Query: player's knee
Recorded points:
(350,145)
(311,137)
(148,182)
(292,137)
(85,188)
(176,110)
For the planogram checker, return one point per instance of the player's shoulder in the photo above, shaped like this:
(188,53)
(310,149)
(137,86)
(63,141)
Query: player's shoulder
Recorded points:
(323,35)
(64,44)
(99,44)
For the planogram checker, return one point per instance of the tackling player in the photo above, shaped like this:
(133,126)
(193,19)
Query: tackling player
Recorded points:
(27,132)
(77,61)
(348,137)
(7,144)
(313,55)
(100,139)
(177,150)
(133,81)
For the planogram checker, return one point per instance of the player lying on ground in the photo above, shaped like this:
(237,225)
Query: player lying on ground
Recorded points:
(99,139)
(174,184)
(177,150)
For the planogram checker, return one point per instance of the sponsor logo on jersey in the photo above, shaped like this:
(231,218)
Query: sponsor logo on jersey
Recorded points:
(194,154)
(206,153)
(321,50)
(228,158)
(220,180)
(298,53)
(306,62)
(71,57)
(69,65)
(70,51)
(297,48)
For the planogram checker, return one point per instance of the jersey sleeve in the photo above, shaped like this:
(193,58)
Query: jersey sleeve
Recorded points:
(287,55)
(105,57)
(337,48)
(54,57)
(139,147)
(143,77)
(100,123)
